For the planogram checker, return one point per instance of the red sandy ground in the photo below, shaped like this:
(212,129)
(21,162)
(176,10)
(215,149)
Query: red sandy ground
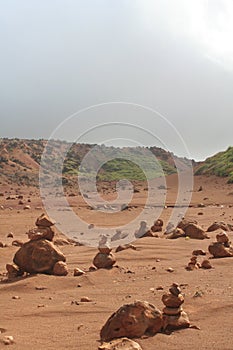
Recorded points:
(47,319)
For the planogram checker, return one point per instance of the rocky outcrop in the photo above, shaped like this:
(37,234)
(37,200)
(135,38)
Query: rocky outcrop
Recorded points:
(133,321)
(218,250)
(195,232)
(38,256)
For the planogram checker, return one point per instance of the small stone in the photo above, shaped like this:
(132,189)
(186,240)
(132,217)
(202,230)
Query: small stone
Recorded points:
(104,261)
(92,269)
(78,272)
(175,289)
(17,243)
(170,269)
(199,252)
(159,288)
(85,300)
(26,207)
(8,340)
(120,344)
(16,297)
(60,269)
(43,220)
(10,235)
(206,264)
(222,237)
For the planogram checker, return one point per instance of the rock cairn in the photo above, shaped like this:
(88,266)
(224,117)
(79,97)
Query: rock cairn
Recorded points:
(39,254)
(132,321)
(222,248)
(173,315)
(104,259)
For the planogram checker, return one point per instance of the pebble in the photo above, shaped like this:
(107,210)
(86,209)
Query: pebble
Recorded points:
(85,300)
(170,269)
(8,340)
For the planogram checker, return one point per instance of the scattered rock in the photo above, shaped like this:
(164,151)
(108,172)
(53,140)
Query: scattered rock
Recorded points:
(218,250)
(198,252)
(60,269)
(8,340)
(201,205)
(78,272)
(194,231)
(132,320)
(170,269)
(218,225)
(85,300)
(10,235)
(26,207)
(206,264)
(2,245)
(120,344)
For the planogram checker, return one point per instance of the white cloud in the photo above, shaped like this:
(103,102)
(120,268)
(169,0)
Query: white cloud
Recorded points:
(208,25)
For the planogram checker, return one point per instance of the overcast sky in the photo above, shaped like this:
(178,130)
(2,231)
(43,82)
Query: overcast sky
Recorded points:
(173,56)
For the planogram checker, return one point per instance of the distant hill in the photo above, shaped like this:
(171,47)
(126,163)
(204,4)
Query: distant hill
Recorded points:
(221,164)
(20,161)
